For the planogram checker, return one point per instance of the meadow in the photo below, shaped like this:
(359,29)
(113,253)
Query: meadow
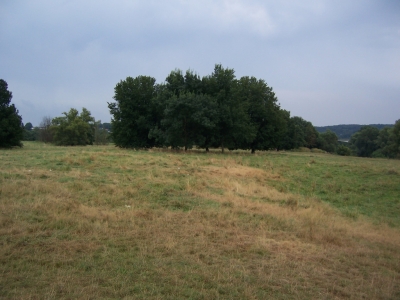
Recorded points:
(99,222)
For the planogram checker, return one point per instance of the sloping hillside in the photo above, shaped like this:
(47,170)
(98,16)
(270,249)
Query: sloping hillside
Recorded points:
(344,132)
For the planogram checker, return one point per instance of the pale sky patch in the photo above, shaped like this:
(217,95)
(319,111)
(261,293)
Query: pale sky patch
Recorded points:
(330,62)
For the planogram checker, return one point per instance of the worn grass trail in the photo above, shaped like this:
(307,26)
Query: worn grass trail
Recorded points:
(101,222)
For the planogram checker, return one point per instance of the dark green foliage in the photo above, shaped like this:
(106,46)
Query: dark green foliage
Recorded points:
(178,83)
(234,127)
(267,121)
(395,139)
(11,129)
(73,128)
(132,113)
(188,117)
(388,142)
(30,133)
(193,83)
(369,141)
(328,141)
(385,143)
(343,150)
(220,111)
(188,120)
(175,82)
(216,111)
(300,133)
(28,126)
(311,136)
(365,141)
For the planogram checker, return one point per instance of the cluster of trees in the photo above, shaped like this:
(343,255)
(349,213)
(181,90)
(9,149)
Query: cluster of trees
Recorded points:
(30,133)
(73,128)
(217,110)
(369,141)
(344,132)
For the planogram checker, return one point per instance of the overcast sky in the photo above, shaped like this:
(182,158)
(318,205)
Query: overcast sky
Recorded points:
(330,62)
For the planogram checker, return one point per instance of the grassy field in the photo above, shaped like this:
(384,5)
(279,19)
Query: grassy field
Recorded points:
(100,222)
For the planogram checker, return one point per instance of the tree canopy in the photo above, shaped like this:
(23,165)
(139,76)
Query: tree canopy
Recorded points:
(133,112)
(217,110)
(73,128)
(11,128)
(365,141)
(222,111)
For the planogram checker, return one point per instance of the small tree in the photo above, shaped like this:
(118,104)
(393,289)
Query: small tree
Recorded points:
(73,128)
(328,141)
(11,129)
(28,126)
(30,133)
(343,150)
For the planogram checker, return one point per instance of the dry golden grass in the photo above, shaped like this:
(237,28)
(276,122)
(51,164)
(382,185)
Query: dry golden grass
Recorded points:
(99,222)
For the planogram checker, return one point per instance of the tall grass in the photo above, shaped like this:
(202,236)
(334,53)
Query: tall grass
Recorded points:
(101,222)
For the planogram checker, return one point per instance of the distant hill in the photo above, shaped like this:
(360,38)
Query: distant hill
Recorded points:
(344,132)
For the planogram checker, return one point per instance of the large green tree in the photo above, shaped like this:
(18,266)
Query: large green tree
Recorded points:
(132,112)
(73,128)
(267,121)
(300,133)
(328,141)
(188,120)
(365,141)
(384,141)
(234,127)
(11,129)
(188,115)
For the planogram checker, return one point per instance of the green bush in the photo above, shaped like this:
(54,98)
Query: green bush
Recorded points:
(343,150)
(378,154)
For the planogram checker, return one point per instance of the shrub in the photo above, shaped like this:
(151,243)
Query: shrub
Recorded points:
(343,150)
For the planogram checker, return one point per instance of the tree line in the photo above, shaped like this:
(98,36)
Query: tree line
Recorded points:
(70,129)
(186,111)
(369,141)
(344,132)
(214,111)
